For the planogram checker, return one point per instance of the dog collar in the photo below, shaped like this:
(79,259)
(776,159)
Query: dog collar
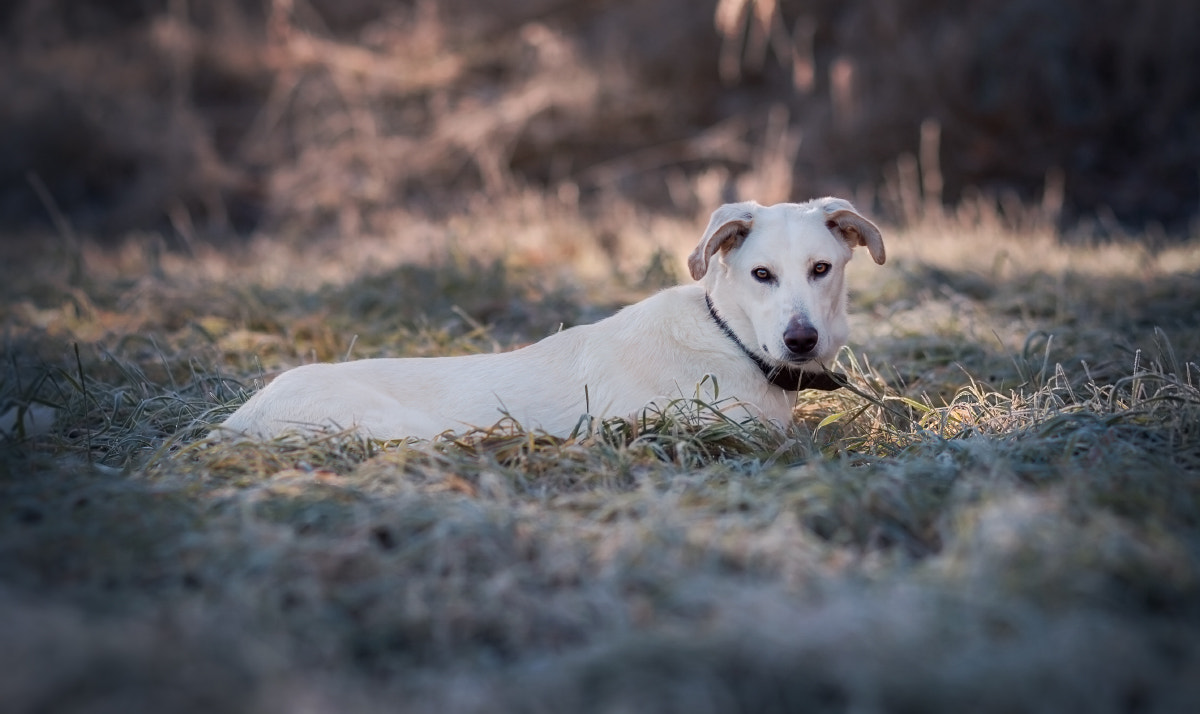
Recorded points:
(791,379)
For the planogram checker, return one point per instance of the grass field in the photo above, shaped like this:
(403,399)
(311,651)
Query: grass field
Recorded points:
(1003,514)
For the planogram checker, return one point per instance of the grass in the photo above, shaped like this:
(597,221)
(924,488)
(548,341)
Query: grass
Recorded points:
(1002,513)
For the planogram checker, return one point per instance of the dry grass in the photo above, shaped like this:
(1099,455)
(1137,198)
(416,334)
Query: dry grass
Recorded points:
(299,116)
(1002,514)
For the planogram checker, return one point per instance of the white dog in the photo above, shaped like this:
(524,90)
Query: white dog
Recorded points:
(768,313)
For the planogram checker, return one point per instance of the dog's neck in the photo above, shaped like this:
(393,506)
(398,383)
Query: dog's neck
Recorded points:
(791,379)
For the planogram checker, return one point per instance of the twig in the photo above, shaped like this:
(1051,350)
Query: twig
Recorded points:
(62,225)
(86,398)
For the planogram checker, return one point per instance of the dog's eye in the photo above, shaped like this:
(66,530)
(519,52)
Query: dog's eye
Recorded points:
(762,275)
(821,268)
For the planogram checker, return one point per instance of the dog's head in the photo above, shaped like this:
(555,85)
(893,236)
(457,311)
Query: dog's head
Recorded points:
(776,274)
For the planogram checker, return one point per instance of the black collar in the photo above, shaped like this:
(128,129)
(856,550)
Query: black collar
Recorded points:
(789,378)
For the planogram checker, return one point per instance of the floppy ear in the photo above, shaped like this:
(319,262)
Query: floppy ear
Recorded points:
(845,222)
(726,230)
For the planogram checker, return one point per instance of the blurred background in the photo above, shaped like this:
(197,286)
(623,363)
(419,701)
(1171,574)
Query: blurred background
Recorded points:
(215,119)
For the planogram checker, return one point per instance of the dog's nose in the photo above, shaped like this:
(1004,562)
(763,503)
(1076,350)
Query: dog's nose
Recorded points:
(800,337)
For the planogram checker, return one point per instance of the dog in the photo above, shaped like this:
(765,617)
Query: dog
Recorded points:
(767,313)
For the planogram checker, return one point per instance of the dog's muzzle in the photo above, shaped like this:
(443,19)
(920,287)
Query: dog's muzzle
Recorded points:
(785,377)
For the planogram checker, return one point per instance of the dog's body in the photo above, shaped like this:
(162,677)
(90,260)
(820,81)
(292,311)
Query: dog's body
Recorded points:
(773,299)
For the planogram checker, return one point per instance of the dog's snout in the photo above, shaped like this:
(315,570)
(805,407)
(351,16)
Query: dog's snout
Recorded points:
(800,337)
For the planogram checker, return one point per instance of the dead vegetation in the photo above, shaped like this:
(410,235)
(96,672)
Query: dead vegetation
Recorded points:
(1000,514)
(206,120)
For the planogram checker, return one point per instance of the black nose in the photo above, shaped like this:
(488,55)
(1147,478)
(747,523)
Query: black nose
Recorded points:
(800,337)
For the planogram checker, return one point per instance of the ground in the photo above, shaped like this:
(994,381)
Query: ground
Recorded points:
(1001,514)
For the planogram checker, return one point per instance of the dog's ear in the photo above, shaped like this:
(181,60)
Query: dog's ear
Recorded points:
(727,228)
(850,226)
